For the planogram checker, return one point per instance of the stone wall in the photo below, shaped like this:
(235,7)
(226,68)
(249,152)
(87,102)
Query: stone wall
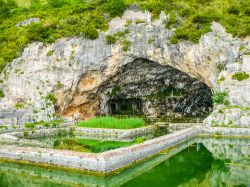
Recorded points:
(114,134)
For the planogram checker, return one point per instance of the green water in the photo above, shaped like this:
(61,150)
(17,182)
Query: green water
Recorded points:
(200,162)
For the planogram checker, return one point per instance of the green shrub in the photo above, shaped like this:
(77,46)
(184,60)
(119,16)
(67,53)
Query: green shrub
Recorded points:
(138,21)
(116,90)
(39,32)
(1,93)
(234,10)
(110,39)
(220,79)
(59,84)
(19,105)
(240,76)
(206,17)
(56,3)
(52,98)
(151,40)
(139,140)
(172,22)
(128,22)
(112,122)
(25,134)
(50,53)
(116,7)
(220,66)
(220,98)
(6,8)
(125,45)
(90,32)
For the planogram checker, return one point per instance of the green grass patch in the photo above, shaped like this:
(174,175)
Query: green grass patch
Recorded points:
(112,122)
(93,146)
(240,76)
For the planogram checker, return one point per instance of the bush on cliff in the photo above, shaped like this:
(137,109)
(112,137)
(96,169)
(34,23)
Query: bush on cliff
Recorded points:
(220,98)
(240,76)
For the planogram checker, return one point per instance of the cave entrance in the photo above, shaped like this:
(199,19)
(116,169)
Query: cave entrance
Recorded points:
(125,106)
(144,87)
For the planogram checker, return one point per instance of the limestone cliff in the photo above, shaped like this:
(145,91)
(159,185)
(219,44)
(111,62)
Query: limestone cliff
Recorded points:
(83,76)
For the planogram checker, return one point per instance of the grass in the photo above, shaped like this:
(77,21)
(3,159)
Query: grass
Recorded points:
(93,146)
(68,18)
(112,122)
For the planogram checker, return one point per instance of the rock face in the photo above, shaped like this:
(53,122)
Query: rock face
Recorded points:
(237,112)
(82,73)
(28,22)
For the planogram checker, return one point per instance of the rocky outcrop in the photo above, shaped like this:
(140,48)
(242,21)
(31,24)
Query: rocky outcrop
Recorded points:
(236,112)
(80,72)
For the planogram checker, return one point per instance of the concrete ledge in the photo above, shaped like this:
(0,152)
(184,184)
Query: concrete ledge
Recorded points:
(114,134)
(123,157)
(227,131)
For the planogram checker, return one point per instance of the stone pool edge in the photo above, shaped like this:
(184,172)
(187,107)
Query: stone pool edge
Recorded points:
(111,161)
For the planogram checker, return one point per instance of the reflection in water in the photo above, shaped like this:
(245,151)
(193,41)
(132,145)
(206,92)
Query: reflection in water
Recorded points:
(210,162)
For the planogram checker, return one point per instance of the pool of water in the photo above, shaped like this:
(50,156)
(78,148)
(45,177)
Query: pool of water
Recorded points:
(199,162)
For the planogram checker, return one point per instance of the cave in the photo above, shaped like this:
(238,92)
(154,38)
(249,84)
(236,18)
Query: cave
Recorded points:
(145,87)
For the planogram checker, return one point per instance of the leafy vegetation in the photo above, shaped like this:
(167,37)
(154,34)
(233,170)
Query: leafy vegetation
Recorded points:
(83,145)
(116,90)
(112,122)
(66,18)
(240,76)
(19,105)
(220,98)
(220,79)
(52,98)
(50,53)
(110,39)
(139,140)
(1,94)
